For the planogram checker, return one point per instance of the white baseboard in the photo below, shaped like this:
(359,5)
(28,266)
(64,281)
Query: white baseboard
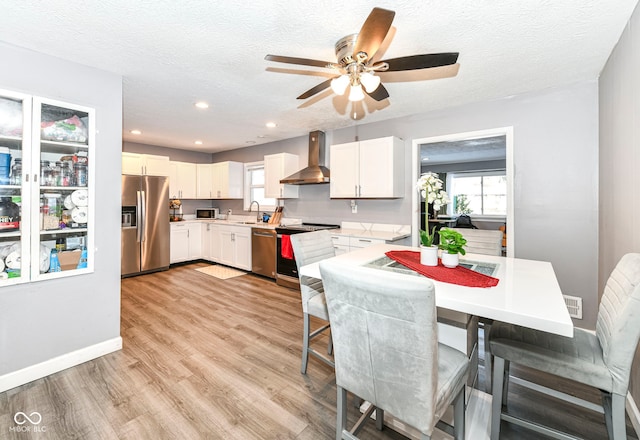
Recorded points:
(633,413)
(43,369)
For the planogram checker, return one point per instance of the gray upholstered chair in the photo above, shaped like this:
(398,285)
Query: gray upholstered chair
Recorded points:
(387,352)
(486,242)
(308,248)
(482,241)
(602,359)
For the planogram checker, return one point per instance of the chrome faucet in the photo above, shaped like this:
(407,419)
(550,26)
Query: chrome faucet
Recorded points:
(258,216)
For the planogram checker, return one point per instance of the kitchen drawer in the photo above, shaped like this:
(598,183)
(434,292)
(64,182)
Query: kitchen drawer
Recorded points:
(340,240)
(358,242)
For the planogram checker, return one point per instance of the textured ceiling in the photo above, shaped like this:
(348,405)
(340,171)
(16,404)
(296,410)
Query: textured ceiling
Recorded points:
(174,53)
(469,150)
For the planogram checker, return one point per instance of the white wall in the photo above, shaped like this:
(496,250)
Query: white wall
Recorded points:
(620,161)
(43,320)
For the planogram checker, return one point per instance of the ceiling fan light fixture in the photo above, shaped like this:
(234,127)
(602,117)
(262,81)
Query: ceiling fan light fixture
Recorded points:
(339,84)
(356,93)
(369,81)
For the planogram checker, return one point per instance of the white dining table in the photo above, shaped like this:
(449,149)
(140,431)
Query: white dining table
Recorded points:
(527,294)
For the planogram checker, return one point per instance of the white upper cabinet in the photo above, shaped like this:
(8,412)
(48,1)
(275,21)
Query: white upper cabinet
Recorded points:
(182,180)
(228,180)
(204,181)
(367,169)
(223,180)
(276,167)
(145,164)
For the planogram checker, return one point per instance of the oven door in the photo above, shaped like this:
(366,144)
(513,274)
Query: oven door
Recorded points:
(286,268)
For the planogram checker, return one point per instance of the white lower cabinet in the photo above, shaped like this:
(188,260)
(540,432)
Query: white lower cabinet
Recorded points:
(235,246)
(227,244)
(340,244)
(185,242)
(179,243)
(346,243)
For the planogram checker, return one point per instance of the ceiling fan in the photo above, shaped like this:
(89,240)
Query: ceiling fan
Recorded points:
(355,61)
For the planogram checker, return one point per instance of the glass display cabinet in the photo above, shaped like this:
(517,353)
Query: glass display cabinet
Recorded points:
(46,188)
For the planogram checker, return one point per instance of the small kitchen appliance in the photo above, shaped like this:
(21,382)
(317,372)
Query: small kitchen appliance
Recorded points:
(207,213)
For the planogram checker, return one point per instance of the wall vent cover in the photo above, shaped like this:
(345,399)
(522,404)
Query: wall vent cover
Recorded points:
(574,305)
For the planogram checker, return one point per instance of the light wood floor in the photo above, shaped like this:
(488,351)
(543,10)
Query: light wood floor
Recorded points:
(216,359)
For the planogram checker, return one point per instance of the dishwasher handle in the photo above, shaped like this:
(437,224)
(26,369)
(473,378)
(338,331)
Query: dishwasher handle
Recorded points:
(264,234)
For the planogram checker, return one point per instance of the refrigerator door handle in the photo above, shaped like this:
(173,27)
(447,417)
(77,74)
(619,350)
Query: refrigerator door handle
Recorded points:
(138,216)
(143,215)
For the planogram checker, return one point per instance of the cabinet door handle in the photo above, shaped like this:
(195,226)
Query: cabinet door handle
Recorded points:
(359,191)
(356,190)
(364,241)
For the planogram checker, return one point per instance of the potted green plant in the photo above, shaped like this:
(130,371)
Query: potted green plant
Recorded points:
(452,243)
(428,252)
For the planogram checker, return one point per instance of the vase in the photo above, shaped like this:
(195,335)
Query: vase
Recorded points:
(450,260)
(429,255)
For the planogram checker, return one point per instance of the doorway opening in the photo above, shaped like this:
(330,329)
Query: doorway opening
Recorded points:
(475,166)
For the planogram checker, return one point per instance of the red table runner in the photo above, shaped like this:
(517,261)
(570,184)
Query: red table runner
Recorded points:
(458,275)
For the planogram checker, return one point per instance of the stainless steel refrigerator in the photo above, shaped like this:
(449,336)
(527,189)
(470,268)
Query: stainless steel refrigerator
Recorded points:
(145,224)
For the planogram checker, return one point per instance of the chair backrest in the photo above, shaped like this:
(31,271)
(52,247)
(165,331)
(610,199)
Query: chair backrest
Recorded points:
(482,241)
(310,247)
(385,339)
(618,323)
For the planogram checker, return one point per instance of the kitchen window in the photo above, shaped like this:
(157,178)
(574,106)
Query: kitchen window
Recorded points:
(478,193)
(254,187)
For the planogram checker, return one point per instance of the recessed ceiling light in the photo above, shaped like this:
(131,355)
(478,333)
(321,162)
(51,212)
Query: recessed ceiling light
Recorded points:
(271,124)
(135,132)
(198,142)
(202,104)
(424,159)
(261,136)
(250,142)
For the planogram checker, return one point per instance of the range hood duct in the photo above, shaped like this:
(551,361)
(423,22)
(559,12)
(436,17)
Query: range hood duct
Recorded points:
(315,172)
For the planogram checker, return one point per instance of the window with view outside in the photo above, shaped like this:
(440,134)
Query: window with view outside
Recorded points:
(479,193)
(255,188)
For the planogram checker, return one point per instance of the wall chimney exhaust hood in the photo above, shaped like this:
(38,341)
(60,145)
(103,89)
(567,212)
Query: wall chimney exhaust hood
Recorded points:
(315,172)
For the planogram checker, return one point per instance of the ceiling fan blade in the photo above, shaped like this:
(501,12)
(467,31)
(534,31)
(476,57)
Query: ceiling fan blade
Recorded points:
(378,94)
(317,89)
(424,61)
(302,61)
(373,31)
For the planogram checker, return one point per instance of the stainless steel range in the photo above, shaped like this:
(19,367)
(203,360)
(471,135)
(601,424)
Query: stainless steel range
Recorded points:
(286,269)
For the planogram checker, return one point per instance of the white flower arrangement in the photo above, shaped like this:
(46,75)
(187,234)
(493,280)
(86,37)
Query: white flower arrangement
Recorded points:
(430,187)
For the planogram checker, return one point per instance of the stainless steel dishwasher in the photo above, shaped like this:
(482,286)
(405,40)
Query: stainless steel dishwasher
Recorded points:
(263,252)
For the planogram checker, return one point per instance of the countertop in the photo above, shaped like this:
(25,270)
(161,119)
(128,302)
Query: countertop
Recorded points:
(379,231)
(349,229)
(375,234)
(227,222)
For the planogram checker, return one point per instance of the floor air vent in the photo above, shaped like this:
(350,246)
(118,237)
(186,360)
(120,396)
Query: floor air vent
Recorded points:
(574,305)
